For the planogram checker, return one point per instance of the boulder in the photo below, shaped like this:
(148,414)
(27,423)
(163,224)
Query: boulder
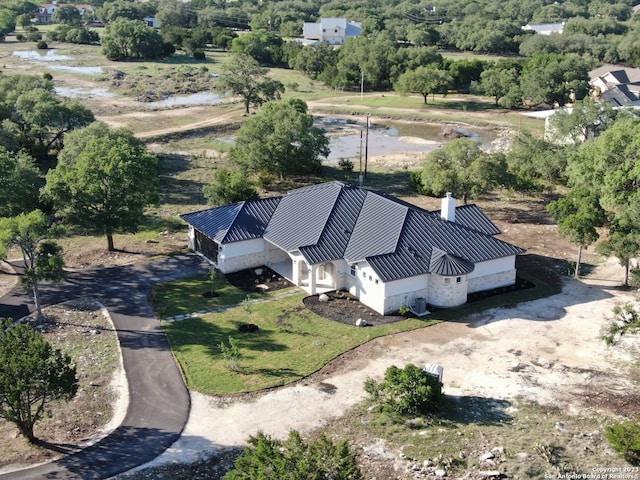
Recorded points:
(324,298)
(361,323)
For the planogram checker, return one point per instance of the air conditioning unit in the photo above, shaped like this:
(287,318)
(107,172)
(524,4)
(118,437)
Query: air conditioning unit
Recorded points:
(420,306)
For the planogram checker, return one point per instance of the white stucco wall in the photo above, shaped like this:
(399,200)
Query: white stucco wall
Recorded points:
(492,274)
(404,292)
(236,256)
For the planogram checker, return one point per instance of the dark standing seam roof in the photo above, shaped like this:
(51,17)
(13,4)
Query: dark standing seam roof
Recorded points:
(378,228)
(422,233)
(234,222)
(471,216)
(337,232)
(302,215)
(334,221)
(214,222)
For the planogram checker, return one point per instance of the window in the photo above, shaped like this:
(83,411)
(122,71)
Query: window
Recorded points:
(370,278)
(447,280)
(353,270)
(458,279)
(364,274)
(376,281)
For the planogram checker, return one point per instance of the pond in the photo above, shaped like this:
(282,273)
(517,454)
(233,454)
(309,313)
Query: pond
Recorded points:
(200,98)
(54,56)
(79,92)
(392,137)
(42,55)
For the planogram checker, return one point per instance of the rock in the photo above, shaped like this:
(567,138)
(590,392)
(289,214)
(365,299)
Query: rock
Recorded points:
(324,298)
(427,463)
(522,455)
(440,473)
(498,450)
(560,427)
(258,271)
(489,474)
(487,456)
(361,323)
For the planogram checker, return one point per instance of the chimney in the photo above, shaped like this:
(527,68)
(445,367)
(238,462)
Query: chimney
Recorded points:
(448,209)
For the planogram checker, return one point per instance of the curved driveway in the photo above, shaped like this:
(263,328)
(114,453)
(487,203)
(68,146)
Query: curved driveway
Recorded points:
(159,401)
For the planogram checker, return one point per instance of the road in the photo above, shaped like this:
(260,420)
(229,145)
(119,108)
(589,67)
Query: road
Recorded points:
(159,401)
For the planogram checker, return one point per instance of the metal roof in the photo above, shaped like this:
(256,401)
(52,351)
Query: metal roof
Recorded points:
(302,215)
(335,220)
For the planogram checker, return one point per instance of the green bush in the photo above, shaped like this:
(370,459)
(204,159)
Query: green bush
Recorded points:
(624,438)
(407,391)
(626,320)
(345,164)
(42,45)
(266,457)
(199,54)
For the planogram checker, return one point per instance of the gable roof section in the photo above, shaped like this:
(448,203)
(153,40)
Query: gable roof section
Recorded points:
(337,233)
(302,215)
(234,222)
(378,228)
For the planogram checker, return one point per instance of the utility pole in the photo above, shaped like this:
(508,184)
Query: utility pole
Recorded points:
(366,147)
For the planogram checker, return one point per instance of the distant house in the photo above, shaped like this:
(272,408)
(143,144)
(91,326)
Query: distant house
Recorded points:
(334,31)
(616,85)
(46,11)
(335,236)
(545,28)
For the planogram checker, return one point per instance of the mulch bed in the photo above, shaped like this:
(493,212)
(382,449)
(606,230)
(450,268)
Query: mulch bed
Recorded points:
(345,308)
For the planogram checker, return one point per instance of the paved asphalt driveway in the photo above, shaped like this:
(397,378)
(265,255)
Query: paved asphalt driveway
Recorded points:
(159,401)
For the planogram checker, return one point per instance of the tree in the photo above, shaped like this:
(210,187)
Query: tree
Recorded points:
(462,168)
(41,257)
(34,119)
(578,214)
(32,374)
(264,47)
(229,187)
(19,179)
(586,119)
(281,140)
(555,79)
(68,14)
(624,238)
(424,80)
(243,76)
(266,457)
(496,82)
(131,39)
(405,391)
(120,9)
(104,181)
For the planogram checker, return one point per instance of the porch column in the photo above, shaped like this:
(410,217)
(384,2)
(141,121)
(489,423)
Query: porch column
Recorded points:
(312,279)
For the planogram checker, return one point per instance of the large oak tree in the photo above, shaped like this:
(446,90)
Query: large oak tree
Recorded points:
(104,181)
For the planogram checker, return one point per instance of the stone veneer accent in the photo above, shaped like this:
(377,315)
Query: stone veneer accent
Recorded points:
(446,295)
(487,282)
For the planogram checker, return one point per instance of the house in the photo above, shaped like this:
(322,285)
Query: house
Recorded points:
(334,31)
(617,85)
(335,236)
(545,28)
(46,11)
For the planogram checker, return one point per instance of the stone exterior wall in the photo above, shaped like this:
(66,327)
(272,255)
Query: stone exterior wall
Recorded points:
(500,279)
(237,256)
(446,295)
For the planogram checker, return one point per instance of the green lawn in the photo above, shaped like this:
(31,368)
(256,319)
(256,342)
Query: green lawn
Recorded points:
(292,342)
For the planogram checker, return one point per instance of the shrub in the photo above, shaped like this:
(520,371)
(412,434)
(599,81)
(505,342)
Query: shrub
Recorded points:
(231,354)
(199,54)
(407,391)
(626,320)
(415,182)
(266,457)
(293,86)
(42,45)
(345,164)
(34,36)
(20,37)
(47,76)
(624,438)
